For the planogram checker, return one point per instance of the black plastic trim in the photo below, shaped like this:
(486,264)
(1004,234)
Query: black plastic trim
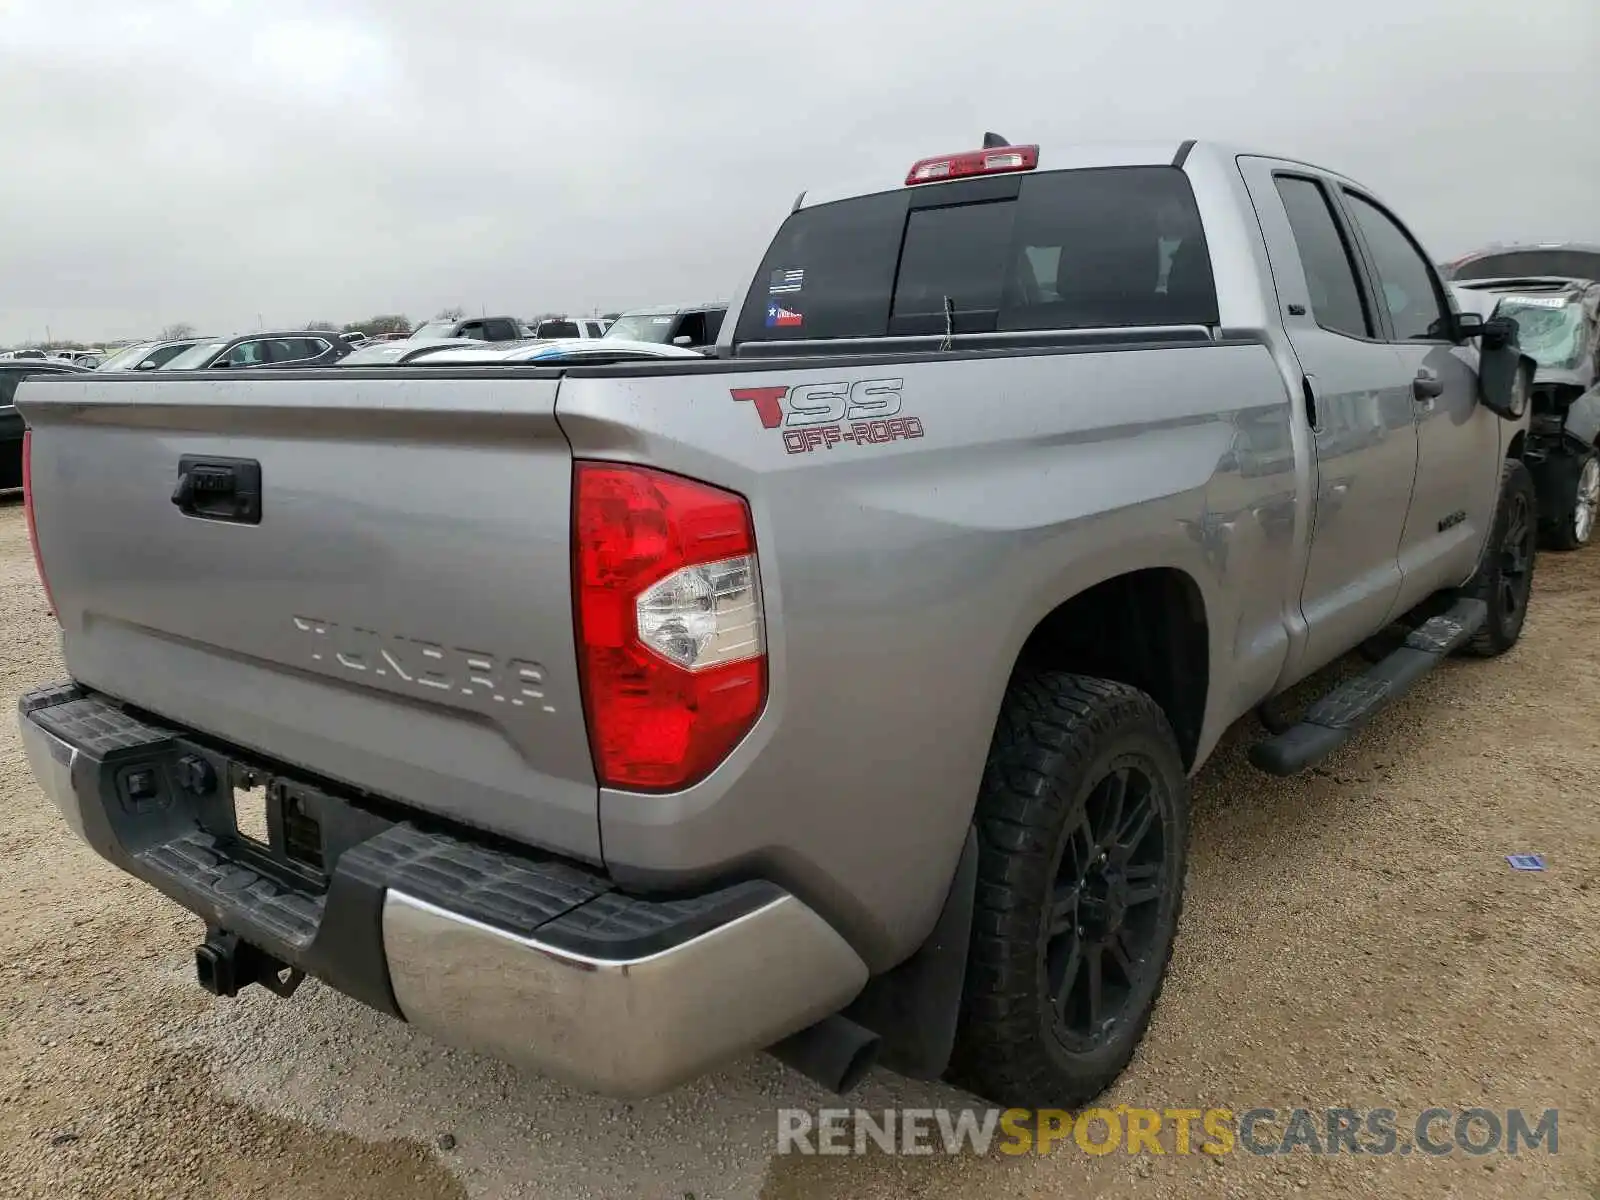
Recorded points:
(1182,156)
(915,1007)
(330,923)
(980,190)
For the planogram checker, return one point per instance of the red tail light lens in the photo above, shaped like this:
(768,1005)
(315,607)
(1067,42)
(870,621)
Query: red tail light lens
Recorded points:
(994,161)
(27,510)
(671,638)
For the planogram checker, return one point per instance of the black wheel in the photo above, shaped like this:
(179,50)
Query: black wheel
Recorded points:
(1504,579)
(1573,485)
(1083,825)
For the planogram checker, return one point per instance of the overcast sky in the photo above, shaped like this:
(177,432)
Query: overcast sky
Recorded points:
(218,163)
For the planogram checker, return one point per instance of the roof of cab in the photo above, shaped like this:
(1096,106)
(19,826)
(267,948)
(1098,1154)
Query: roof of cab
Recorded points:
(1066,157)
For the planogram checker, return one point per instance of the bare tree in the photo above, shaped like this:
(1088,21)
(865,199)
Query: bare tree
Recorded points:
(451,314)
(382,323)
(320,326)
(176,331)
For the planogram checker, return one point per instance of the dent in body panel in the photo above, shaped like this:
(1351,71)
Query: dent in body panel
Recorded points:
(901,581)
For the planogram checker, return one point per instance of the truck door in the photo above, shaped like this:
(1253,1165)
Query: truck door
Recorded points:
(1458,440)
(1357,402)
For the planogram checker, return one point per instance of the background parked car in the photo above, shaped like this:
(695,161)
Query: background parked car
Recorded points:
(1559,260)
(694,326)
(572,350)
(13,372)
(1558,323)
(392,354)
(291,349)
(478,329)
(147,356)
(554,328)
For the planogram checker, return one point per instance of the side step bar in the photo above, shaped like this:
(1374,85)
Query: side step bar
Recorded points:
(1333,719)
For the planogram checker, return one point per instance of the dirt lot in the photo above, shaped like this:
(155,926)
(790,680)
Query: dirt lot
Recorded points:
(1354,938)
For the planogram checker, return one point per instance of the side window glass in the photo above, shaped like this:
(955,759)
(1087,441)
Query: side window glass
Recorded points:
(1336,300)
(693,327)
(1405,278)
(247,354)
(8,388)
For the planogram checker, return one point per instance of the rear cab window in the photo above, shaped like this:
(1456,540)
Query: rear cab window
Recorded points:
(1094,248)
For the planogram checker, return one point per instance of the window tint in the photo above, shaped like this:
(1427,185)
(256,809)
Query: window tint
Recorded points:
(8,387)
(161,357)
(1072,249)
(1336,300)
(953,257)
(1569,264)
(592,328)
(714,323)
(1404,277)
(693,327)
(829,272)
(246,354)
(558,329)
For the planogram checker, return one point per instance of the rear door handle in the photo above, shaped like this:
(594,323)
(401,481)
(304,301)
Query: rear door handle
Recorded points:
(1426,386)
(219,489)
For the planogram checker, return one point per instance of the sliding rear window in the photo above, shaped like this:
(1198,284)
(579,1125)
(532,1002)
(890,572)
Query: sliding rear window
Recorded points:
(1116,246)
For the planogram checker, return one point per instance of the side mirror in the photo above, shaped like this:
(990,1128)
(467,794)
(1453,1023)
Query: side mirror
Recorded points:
(1505,381)
(1466,326)
(148,364)
(683,339)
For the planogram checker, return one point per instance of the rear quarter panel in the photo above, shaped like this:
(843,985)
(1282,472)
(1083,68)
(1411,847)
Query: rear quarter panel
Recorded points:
(901,579)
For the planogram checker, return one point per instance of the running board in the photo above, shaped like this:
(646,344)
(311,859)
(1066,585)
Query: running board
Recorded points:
(1333,719)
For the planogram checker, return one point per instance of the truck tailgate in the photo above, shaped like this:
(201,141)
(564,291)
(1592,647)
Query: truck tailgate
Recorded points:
(400,619)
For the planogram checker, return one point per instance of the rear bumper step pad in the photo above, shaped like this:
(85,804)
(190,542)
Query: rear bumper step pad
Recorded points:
(530,958)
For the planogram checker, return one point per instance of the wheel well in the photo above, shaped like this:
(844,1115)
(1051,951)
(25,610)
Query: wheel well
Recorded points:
(1146,629)
(1515,449)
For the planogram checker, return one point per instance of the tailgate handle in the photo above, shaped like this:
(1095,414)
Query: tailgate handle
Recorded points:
(219,489)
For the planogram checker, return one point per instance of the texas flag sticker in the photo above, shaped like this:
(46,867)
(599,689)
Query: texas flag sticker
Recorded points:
(779,317)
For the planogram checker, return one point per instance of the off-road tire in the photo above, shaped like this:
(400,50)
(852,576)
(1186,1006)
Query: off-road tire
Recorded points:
(1058,737)
(1506,593)
(1563,478)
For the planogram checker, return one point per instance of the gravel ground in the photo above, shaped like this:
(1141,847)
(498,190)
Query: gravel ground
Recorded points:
(1353,937)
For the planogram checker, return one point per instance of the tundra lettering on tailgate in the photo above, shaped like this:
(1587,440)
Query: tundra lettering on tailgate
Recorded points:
(826,415)
(426,665)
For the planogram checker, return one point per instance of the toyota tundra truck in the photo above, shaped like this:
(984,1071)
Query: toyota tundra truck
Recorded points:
(837,694)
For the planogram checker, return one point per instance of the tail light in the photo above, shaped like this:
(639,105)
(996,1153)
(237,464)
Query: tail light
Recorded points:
(992,161)
(27,510)
(671,638)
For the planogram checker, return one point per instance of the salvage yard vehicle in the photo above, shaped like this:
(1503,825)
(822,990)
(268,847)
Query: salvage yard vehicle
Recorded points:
(1558,323)
(693,326)
(257,350)
(553,328)
(476,329)
(13,372)
(836,695)
(390,354)
(149,356)
(587,351)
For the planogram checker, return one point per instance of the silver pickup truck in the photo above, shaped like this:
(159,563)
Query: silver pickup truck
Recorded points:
(837,694)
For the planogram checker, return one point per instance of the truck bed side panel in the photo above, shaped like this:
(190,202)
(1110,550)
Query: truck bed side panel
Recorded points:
(902,575)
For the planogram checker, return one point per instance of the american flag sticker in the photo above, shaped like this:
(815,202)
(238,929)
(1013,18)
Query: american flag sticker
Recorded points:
(781,282)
